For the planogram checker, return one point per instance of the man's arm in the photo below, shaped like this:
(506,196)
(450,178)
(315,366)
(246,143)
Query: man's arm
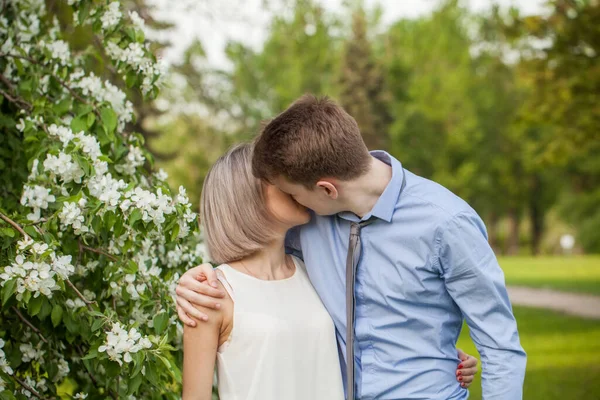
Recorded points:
(475,281)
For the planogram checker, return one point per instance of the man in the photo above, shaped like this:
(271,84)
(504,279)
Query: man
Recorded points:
(420,254)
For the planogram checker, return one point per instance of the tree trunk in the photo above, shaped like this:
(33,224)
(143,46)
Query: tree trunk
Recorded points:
(513,235)
(536,216)
(493,231)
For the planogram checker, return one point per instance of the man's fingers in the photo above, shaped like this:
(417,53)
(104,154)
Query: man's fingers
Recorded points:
(208,273)
(190,311)
(187,287)
(184,317)
(187,296)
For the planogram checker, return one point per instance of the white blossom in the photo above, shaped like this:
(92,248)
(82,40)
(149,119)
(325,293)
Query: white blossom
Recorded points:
(64,167)
(62,265)
(120,343)
(60,51)
(38,198)
(64,134)
(4,366)
(112,16)
(71,215)
(28,352)
(136,19)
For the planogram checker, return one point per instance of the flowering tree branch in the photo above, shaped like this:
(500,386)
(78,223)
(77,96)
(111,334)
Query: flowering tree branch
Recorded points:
(60,81)
(29,388)
(29,324)
(98,251)
(14,225)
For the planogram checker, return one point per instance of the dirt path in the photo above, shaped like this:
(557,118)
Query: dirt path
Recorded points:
(581,305)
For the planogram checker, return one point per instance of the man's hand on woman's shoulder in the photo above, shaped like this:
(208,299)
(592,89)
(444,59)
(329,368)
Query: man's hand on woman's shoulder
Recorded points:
(197,286)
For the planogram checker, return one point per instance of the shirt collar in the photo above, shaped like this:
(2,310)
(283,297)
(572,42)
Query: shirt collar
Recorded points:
(386,204)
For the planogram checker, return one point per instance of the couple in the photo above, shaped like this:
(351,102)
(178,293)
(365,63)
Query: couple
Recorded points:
(369,286)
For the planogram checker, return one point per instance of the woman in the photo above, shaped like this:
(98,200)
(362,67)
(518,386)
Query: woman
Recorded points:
(271,338)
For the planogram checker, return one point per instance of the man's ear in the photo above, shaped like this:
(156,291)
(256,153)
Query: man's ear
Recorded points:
(328,188)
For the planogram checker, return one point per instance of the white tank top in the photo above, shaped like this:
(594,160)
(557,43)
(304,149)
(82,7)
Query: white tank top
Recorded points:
(282,345)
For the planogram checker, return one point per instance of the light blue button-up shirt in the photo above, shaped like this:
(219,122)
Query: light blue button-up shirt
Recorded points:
(425,264)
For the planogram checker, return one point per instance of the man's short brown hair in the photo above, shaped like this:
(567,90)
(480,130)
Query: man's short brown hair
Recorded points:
(313,139)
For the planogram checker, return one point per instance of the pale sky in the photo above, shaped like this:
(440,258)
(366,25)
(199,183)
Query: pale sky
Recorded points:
(215,22)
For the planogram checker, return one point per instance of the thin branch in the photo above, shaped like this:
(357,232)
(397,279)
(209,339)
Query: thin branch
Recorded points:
(92,377)
(14,100)
(98,251)
(29,388)
(14,225)
(62,83)
(8,83)
(29,324)
(87,302)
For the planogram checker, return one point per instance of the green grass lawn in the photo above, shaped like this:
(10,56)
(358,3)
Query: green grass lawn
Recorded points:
(571,274)
(563,356)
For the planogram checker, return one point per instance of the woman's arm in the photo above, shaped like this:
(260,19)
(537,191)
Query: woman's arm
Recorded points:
(200,344)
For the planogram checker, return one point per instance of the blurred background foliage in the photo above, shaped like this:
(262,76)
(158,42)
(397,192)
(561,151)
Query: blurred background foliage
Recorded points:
(499,107)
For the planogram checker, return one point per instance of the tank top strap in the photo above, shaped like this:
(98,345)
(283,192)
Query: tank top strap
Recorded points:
(221,277)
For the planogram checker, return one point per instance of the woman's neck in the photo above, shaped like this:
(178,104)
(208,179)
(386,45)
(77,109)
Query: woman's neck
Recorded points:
(267,264)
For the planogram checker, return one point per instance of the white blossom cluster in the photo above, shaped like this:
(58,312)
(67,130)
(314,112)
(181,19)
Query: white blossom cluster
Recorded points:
(93,86)
(74,180)
(59,50)
(4,366)
(112,16)
(72,215)
(38,274)
(120,343)
(39,386)
(133,160)
(37,197)
(134,55)
(29,353)
(64,167)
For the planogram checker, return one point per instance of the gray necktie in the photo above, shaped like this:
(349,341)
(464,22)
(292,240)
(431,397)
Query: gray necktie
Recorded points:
(351,264)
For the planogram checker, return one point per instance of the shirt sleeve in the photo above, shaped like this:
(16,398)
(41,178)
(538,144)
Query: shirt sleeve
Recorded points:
(292,243)
(475,282)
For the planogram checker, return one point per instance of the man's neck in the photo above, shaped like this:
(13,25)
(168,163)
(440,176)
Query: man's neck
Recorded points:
(363,193)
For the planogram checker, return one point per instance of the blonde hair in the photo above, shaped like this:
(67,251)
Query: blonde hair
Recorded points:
(233,212)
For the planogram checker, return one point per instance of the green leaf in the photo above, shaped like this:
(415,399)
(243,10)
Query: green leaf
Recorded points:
(64,106)
(10,287)
(35,305)
(56,315)
(175,232)
(79,124)
(91,117)
(7,395)
(138,359)
(30,230)
(131,79)
(135,216)
(134,384)
(97,324)
(172,368)
(93,353)
(152,373)
(8,232)
(46,309)
(109,119)
(160,322)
